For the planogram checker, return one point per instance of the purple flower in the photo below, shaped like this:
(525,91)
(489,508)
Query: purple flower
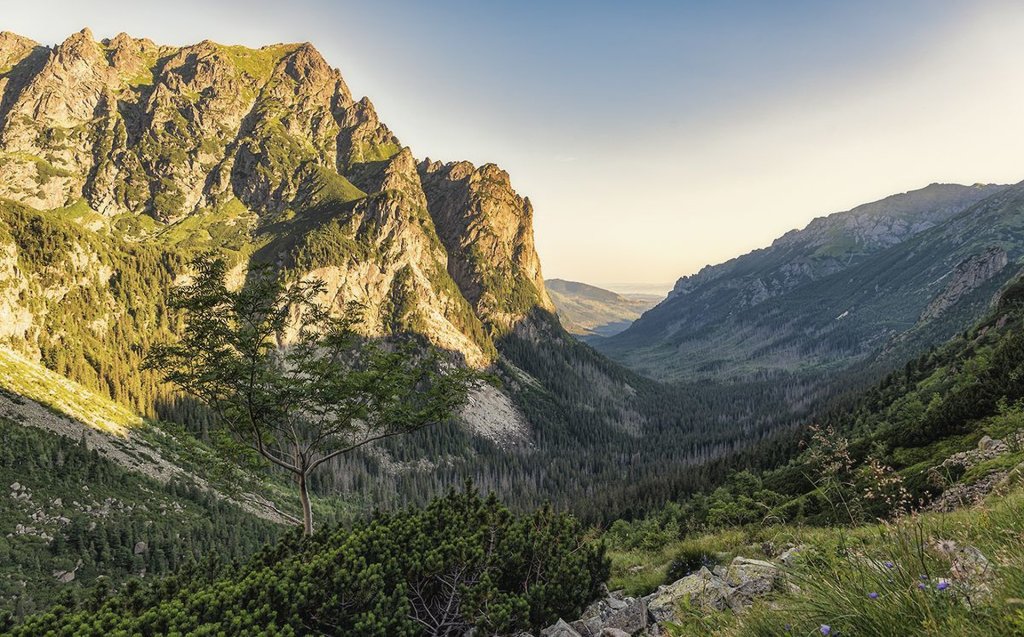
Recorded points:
(890,565)
(922,586)
(943,585)
(924,577)
(825,630)
(873,595)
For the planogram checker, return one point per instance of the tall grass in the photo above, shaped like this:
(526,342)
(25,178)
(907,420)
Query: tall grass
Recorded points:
(917,576)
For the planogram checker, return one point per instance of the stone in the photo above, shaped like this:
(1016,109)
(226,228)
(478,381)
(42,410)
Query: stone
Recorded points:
(751,578)
(628,614)
(589,626)
(703,589)
(614,632)
(559,629)
(790,556)
(140,548)
(631,617)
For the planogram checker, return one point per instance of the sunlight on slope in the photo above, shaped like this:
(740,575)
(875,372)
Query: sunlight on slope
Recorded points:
(21,376)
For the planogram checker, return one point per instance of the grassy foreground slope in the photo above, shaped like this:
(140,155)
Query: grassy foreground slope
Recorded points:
(952,573)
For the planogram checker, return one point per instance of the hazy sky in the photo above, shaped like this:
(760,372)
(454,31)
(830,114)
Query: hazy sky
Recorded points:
(652,137)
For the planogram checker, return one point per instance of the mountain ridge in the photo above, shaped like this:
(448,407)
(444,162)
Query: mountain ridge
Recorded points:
(590,311)
(741,318)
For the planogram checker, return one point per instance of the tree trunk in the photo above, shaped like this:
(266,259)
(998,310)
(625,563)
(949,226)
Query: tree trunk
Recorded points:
(307,509)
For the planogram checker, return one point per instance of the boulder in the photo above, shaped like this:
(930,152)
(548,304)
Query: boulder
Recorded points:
(614,632)
(627,614)
(988,444)
(790,556)
(750,578)
(140,548)
(702,589)
(559,629)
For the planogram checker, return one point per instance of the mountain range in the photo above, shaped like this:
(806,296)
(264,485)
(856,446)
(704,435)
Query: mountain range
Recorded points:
(121,159)
(873,284)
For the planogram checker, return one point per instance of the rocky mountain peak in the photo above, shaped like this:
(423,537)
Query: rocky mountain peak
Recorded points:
(13,48)
(481,219)
(243,140)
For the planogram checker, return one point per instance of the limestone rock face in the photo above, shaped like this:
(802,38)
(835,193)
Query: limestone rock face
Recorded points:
(161,151)
(966,277)
(488,229)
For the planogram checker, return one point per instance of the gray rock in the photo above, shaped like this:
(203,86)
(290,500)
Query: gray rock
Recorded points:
(614,632)
(589,626)
(703,589)
(140,548)
(616,604)
(790,556)
(559,629)
(631,617)
(628,614)
(751,578)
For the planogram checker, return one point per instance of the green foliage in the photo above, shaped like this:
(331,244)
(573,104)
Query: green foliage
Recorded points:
(96,512)
(94,329)
(293,383)
(462,561)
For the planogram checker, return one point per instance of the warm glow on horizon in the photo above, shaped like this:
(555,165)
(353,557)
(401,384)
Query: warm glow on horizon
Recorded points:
(654,138)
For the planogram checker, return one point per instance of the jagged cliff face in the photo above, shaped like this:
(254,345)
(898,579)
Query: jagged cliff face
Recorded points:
(488,230)
(267,154)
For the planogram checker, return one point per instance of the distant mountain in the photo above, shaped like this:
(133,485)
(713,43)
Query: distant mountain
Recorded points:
(894,275)
(587,310)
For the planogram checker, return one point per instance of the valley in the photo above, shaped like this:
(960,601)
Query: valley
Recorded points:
(850,394)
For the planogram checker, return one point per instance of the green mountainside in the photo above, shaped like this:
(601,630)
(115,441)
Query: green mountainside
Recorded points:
(120,160)
(903,273)
(587,310)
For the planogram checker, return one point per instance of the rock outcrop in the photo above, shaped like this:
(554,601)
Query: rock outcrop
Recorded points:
(967,276)
(269,147)
(726,589)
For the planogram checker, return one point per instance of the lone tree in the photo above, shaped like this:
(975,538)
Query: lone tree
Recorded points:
(292,382)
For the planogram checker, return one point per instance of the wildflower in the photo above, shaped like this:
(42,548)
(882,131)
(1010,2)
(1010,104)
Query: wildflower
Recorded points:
(943,585)
(946,547)
(923,577)
(873,595)
(889,565)
(922,586)
(825,630)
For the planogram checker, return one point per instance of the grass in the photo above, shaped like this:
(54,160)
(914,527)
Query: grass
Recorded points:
(640,571)
(20,376)
(257,63)
(923,582)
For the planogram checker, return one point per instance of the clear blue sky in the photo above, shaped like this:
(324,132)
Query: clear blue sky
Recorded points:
(653,137)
